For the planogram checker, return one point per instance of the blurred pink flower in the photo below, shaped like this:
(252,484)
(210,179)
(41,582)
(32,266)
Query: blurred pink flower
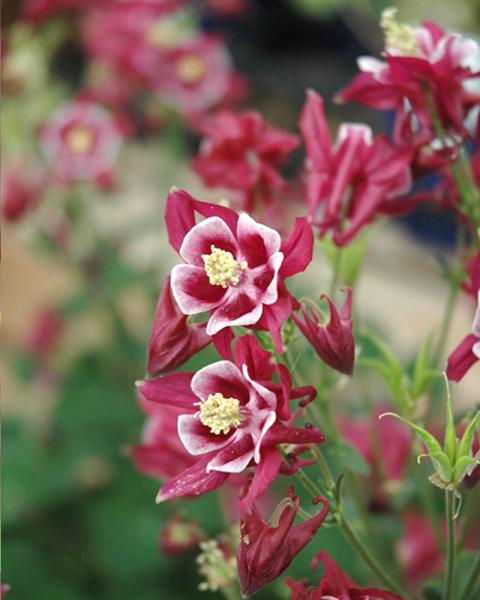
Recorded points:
(417,549)
(80,141)
(267,549)
(240,151)
(22,187)
(180,534)
(349,181)
(45,332)
(232,416)
(467,353)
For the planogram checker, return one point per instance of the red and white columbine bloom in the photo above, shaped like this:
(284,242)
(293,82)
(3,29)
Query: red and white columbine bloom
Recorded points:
(234,267)
(234,416)
(80,142)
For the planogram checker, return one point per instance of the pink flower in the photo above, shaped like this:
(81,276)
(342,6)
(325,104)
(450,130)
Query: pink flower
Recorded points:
(417,549)
(467,353)
(180,535)
(241,152)
(419,59)
(40,10)
(234,267)
(161,454)
(349,181)
(232,416)
(385,444)
(195,76)
(45,332)
(267,549)
(80,142)
(335,585)
(173,340)
(333,342)
(21,189)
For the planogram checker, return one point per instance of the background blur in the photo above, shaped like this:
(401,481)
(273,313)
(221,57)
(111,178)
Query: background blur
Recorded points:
(78,520)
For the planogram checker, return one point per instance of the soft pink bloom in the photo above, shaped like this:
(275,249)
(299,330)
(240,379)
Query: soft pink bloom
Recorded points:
(267,549)
(173,340)
(232,416)
(467,353)
(40,10)
(22,187)
(439,62)
(335,584)
(4,588)
(385,444)
(417,549)
(234,267)
(180,534)
(195,76)
(333,341)
(160,454)
(45,332)
(349,181)
(80,142)
(241,152)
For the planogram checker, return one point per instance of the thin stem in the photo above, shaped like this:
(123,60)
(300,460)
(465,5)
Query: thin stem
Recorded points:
(451,546)
(446,321)
(471,581)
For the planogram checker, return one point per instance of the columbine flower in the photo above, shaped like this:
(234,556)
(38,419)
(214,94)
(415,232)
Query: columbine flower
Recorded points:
(467,352)
(173,340)
(335,585)
(196,76)
(349,181)
(267,549)
(232,416)
(417,59)
(333,342)
(22,186)
(234,267)
(80,142)
(241,152)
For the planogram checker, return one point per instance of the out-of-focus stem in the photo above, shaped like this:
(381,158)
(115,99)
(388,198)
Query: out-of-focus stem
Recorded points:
(471,581)
(451,546)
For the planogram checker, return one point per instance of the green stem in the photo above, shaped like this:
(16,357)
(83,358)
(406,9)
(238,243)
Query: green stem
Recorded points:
(451,546)
(337,261)
(471,581)
(446,321)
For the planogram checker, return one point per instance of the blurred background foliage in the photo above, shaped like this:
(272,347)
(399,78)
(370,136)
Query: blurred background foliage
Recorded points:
(78,520)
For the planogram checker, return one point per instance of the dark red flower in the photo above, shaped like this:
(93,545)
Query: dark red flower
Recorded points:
(467,353)
(231,416)
(335,585)
(45,332)
(234,267)
(173,340)
(349,181)
(242,153)
(22,187)
(333,342)
(267,549)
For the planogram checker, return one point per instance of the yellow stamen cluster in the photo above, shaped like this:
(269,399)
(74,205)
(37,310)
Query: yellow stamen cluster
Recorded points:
(221,268)
(191,69)
(80,140)
(398,36)
(219,413)
(163,34)
(218,570)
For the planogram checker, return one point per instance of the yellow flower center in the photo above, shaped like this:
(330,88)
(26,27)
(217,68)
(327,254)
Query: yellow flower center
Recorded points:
(191,69)
(398,36)
(218,570)
(219,413)
(221,267)
(80,139)
(163,34)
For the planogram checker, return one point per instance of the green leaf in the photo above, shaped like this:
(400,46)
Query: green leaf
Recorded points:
(465,445)
(350,459)
(450,441)
(435,451)
(462,466)
(423,374)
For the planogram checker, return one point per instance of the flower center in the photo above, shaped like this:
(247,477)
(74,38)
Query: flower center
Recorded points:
(191,69)
(163,34)
(219,413)
(222,268)
(398,36)
(80,139)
